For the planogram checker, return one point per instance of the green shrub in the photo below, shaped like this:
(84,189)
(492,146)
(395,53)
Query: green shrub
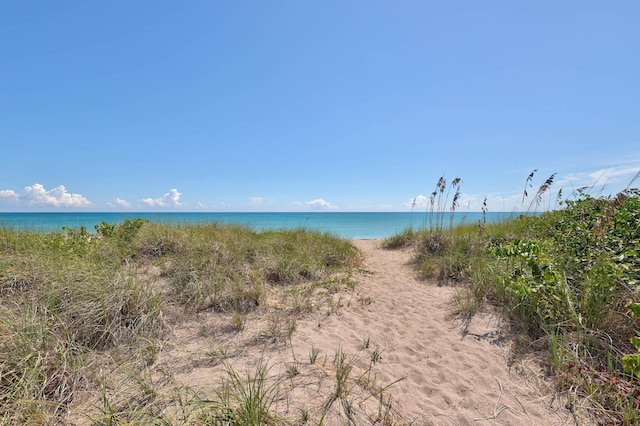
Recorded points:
(563,277)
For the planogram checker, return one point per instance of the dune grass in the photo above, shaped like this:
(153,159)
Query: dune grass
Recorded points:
(81,310)
(564,280)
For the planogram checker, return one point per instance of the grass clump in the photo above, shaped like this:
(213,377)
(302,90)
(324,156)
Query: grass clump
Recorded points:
(225,268)
(243,400)
(564,280)
(38,374)
(399,240)
(64,297)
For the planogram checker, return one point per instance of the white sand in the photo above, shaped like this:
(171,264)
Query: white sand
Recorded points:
(449,375)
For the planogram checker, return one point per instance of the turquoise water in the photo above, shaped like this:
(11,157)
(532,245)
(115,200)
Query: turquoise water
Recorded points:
(346,225)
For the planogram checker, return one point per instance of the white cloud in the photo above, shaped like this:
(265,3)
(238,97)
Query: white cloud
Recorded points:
(617,177)
(320,204)
(503,203)
(37,196)
(119,202)
(385,206)
(602,181)
(469,202)
(419,202)
(9,195)
(170,199)
(472,203)
(422,202)
(614,174)
(256,201)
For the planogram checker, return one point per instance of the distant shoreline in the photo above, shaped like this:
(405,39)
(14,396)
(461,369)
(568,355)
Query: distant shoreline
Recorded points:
(353,225)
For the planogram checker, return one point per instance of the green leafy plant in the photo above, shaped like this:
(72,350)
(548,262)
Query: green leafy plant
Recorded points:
(632,361)
(561,278)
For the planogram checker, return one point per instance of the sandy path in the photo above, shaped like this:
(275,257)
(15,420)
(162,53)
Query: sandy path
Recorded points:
(448,375)
(451,377)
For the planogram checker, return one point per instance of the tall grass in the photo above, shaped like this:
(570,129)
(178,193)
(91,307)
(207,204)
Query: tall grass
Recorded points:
(225,268)
(75,305)
(561,278)
(243,400)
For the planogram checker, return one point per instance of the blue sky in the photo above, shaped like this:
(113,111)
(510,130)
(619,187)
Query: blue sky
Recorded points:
(300,105)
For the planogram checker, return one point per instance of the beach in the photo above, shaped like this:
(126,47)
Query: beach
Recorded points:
(386,351)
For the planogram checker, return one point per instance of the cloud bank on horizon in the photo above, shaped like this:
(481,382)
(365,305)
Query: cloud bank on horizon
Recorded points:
(37,196)
(601,182)
(169,200)
(597,183)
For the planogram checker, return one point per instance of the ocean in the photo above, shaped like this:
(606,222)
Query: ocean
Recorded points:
(345,225)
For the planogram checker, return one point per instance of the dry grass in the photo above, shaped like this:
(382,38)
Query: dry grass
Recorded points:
(84,317)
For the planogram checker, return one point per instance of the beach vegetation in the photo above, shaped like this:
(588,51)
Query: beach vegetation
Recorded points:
(567,281)
(313,354)
(87,313)
(242,400)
